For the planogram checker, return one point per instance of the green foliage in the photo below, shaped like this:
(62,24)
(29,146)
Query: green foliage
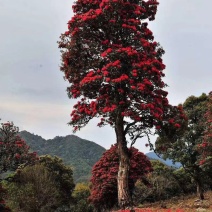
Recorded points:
(78,153)
(33,190)
(3,206)
(62,176)
(45,186)
(183,145)
(166,182)
(80,195)
(184,180)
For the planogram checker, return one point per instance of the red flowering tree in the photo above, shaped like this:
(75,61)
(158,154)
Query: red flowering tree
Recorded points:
(205,147)
(104,176)
(13,150)
(115,69)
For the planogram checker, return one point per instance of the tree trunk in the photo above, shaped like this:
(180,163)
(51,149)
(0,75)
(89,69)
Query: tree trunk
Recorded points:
(197,178)
(200,191)
(124,198)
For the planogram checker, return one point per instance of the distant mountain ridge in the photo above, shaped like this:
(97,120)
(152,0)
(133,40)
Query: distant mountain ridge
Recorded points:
(81,154)
(168,162)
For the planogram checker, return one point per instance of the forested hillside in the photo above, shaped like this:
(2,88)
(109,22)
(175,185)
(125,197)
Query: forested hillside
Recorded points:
(81,154)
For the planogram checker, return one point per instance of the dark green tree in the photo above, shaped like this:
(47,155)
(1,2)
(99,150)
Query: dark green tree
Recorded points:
(80,194)
(166,182)
(32,189)
(182,145)
(3,206)
(62,175)
(48,186)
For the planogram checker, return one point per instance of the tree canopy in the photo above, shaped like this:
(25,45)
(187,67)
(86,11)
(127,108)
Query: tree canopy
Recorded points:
(45,186)
(116,67)
(32,189)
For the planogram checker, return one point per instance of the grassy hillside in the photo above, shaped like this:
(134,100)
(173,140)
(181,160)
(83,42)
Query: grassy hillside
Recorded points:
(81,154)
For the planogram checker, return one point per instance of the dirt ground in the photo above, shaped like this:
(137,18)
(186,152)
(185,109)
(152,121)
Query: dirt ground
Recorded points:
(177,204)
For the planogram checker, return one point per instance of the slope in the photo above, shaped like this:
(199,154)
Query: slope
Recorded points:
(79,153)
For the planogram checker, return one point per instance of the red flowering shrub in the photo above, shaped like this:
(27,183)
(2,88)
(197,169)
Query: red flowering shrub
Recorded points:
(13,149)
(105,172)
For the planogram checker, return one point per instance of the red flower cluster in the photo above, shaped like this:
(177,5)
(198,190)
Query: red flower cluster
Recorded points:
(120,79)
(90,79)
(129,27)
(106,52)
(130,51)
(109,109)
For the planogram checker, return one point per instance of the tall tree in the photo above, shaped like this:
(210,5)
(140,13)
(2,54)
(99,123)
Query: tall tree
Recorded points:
(115,69)
(183,145)
(13,150)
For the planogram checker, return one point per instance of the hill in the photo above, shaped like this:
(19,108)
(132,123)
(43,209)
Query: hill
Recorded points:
(168,162)
(79,153)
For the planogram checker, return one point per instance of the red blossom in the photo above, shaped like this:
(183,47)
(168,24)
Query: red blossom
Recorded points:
(177,125)
(171,121)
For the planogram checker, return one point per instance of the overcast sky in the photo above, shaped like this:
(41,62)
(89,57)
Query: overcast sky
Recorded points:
(32,89)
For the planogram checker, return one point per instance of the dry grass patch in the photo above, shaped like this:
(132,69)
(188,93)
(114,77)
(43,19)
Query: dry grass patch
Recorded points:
(185,203)
(188,203)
